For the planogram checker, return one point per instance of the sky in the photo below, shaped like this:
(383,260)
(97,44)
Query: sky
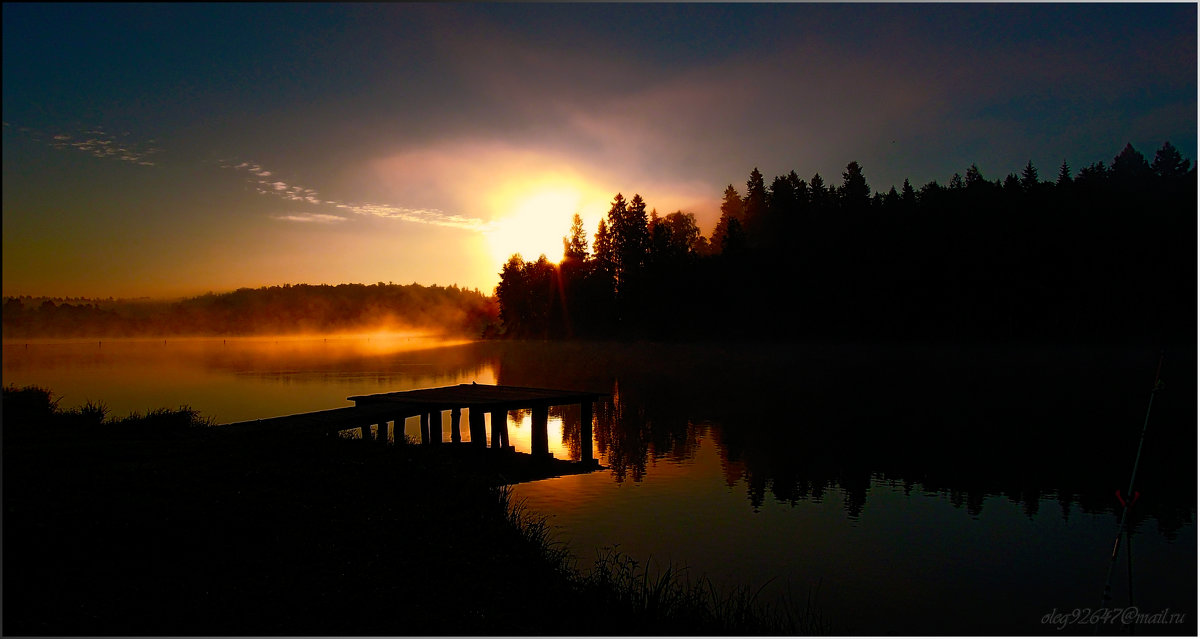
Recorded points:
(168,150)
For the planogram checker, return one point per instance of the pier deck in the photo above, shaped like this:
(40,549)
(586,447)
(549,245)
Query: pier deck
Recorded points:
(482,401)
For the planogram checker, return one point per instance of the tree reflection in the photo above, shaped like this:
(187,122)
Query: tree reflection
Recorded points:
(794,424)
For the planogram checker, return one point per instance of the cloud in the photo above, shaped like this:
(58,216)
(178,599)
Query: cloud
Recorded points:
(311,218)
(643,124)
(296,193)
(97,143)
(808,102)
(424,216)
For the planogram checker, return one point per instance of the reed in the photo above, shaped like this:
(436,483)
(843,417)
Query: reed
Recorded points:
(37,405)
(640,597)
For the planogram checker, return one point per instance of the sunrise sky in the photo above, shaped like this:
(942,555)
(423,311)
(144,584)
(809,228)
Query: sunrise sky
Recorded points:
(175,149)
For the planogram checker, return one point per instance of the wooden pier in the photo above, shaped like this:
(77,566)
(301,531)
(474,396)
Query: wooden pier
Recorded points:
(372,413)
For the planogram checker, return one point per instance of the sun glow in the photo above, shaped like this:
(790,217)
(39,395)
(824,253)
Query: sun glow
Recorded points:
(533,217)
(536,225)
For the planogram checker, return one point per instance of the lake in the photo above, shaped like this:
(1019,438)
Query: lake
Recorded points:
(921,489)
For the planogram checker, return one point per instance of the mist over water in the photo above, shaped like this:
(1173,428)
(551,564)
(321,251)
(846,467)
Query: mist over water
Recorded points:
(961,490)
(235,379)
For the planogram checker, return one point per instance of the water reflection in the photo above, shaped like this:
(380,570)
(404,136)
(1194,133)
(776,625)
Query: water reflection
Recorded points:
(966,425)
(903,477)
(789,422)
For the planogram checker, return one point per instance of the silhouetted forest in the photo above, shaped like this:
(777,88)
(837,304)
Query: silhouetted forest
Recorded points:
(1103,254)
(287,309)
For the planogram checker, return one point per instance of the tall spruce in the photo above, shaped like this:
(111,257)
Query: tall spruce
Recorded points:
(575,245)
(731,209)
(755,207)
(1029,177)
(1064,175)
(855,192)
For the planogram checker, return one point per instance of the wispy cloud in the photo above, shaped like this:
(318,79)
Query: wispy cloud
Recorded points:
(311,218)
(423,216)
(101,144)
(295,193)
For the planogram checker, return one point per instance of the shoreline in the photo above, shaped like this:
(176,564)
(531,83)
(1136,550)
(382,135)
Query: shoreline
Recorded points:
(159,525)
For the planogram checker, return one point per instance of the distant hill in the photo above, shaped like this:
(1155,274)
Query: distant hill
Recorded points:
(280,310)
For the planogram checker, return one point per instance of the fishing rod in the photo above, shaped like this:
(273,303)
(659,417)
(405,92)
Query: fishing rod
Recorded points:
(1132,496)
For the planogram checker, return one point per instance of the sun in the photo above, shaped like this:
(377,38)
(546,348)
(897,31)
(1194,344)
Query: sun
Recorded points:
(536,224)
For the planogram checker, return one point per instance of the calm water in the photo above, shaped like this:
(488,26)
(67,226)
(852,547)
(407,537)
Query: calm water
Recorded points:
(910,490)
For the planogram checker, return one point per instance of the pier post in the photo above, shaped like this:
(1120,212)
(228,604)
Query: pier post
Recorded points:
(585,431)
(477,428)
(424,428)
(435,427)
(539,435)
(455,421)
(499,424)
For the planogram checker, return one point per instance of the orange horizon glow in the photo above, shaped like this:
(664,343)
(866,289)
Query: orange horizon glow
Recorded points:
(504,199)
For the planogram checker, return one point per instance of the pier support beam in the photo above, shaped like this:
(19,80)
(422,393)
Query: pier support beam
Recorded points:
(435,427)
(539,435)
(476,427)
(455,422)
(424,428)
(585,431)
(499,427)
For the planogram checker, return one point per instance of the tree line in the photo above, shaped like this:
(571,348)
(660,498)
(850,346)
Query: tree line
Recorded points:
(1103,254)
(287,309)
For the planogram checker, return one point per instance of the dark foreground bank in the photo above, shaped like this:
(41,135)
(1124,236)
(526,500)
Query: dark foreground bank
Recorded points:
(158,525)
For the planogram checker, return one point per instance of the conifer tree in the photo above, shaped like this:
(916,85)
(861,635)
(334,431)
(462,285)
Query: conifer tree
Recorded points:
(733,243)
(575,245)
(799,190)
(1013,184)
(605,263)
(1064,175)
(1168,163)
(907,195)
(731,209)
(754,206)
(891,201)
(1130,168)
(1029,178)
(855,193)
(974,177)
(818,194)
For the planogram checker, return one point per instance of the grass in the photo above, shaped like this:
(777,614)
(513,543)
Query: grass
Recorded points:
(638,598)
(155,524)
